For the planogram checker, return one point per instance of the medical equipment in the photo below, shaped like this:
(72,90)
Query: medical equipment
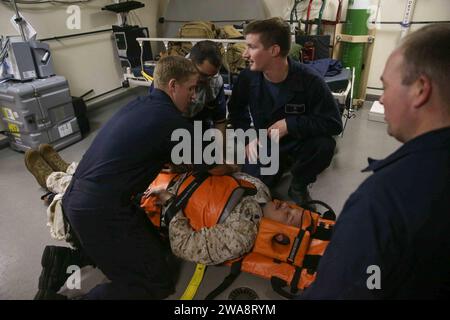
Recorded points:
(38,111)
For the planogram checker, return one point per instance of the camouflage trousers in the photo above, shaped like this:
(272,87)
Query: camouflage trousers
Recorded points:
(57,182)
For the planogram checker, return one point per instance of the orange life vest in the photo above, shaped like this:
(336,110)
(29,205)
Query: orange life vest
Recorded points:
(223,194)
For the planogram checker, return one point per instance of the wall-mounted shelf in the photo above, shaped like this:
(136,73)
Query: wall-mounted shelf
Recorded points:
(124,6)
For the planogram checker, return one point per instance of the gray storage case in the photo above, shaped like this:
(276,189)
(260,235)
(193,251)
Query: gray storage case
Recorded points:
(39,111)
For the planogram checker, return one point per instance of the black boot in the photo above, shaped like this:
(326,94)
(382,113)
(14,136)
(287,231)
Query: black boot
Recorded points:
(300,195)
(55,261)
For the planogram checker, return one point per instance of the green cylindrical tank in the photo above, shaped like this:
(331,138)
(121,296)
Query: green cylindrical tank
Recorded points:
(356,25)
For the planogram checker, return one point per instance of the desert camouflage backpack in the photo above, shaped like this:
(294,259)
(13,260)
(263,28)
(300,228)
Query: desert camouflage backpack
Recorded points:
(193,29)
(232,59)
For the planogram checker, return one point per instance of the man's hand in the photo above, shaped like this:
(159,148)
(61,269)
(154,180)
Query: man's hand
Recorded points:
(177,168)
(161,195)
(281,126)
(251,151)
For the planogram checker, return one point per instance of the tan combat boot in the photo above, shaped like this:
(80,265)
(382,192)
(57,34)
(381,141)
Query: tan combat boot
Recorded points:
(38,167)
(53,158)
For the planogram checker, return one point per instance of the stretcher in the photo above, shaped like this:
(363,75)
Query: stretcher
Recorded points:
(286,255)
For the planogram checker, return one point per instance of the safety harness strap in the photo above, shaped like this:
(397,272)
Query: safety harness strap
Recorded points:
(311,262)
(234,273)
(180,201)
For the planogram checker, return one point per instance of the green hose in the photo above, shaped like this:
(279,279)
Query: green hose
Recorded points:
(319,20)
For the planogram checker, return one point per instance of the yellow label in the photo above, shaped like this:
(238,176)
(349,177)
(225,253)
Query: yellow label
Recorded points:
(8,113)
(14,129)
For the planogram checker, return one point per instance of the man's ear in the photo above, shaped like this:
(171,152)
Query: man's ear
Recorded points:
(275,50)
(422,91)
(171,84)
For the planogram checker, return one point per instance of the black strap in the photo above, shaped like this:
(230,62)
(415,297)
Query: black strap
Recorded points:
(49,196)
(298,240)
(295,279)
(323,233)
(277,286)
(330,214)
(311,262)
(295,246)
(181,200)
(234,273)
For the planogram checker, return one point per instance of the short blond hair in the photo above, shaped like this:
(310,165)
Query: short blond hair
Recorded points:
(172,67)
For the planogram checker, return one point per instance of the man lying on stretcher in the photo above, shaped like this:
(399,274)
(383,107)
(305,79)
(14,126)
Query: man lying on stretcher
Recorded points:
(220,219)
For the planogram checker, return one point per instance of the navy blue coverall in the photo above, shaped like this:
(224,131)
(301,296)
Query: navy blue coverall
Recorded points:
(126,155)
(311,114)
(394,227)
